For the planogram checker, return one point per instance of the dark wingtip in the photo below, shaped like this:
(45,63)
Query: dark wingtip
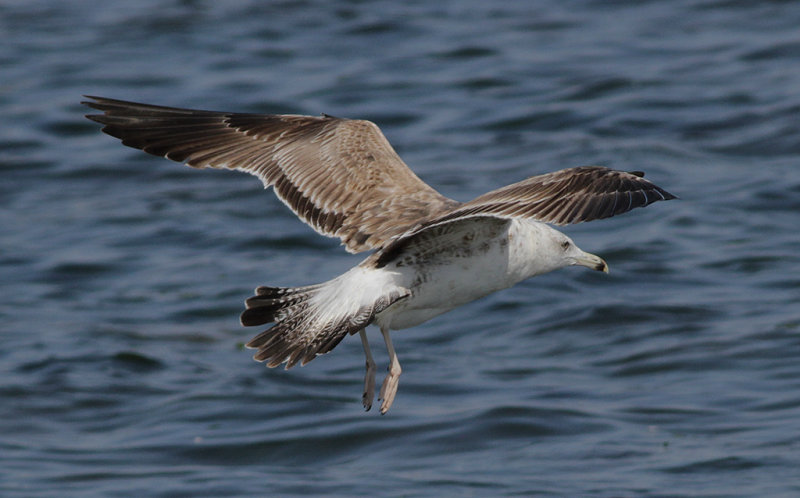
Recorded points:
(667,196)
(98,103)
(93,105)
(94,102)
(97,118)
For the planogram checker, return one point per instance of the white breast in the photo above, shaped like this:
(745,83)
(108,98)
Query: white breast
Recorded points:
(452,269)
(457,267)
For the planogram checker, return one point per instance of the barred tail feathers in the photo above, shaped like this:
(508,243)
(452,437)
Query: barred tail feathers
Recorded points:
(312,320)
(272,304)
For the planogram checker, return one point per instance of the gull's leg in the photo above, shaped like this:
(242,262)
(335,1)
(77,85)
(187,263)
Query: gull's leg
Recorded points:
(369,378)
(389,386)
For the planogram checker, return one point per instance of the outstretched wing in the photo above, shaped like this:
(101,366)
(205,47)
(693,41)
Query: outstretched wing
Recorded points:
(340,176)
(572,195)
(563,197)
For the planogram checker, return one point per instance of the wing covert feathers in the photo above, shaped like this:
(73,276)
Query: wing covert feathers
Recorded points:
(340,176)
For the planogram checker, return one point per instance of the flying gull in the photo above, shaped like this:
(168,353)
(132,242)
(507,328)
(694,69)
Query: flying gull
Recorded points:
(342,177)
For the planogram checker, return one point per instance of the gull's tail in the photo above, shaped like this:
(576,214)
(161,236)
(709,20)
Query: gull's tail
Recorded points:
(312,320)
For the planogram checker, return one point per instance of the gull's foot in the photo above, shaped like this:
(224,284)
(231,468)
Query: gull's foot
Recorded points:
(389,388)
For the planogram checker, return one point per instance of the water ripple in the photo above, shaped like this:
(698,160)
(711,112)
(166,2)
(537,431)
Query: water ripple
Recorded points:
(122,275)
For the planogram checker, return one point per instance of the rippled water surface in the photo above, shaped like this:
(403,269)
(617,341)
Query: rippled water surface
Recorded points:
(122,275)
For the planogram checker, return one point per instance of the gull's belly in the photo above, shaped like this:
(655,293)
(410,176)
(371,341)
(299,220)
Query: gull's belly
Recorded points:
(444,285)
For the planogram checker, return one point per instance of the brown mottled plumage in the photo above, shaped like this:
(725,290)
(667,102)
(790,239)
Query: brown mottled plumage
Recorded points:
(343,178)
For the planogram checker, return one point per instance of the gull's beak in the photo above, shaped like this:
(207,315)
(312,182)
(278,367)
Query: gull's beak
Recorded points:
(591,261)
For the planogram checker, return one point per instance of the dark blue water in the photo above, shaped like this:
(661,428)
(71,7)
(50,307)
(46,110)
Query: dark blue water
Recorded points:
(122,371)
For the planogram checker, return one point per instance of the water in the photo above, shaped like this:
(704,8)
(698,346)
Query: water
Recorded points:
(122,275)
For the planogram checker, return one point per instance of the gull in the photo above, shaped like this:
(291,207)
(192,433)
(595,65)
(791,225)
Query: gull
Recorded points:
(431,253)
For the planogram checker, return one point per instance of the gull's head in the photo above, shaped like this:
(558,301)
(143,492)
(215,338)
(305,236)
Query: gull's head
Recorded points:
(571,254)
(546,249)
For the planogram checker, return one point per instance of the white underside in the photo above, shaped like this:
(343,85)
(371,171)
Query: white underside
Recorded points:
(443,273)
(445,283)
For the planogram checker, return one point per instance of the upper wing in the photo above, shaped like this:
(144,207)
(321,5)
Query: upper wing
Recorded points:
(563,197)
(340,176)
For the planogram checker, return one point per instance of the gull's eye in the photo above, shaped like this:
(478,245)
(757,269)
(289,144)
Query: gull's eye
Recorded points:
(565,245)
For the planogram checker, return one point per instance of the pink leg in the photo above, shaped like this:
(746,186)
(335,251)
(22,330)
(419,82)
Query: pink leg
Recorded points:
(389,386)
(369,378)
